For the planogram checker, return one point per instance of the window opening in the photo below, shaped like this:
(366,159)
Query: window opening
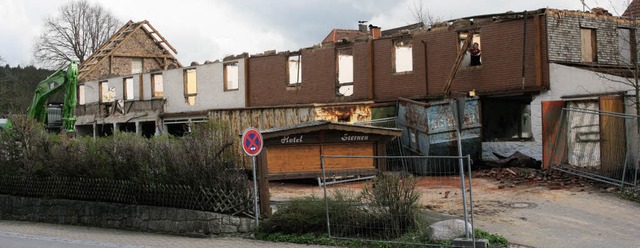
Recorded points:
(473,55)
(81,97)
(128,88)
(295,69)
(190,86)
(345,72)
(626,46)
(156,83)
(106,94)
(511,123)
(403,56)
(231,76)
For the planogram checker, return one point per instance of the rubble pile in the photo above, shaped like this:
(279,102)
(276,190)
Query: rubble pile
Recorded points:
(513,176)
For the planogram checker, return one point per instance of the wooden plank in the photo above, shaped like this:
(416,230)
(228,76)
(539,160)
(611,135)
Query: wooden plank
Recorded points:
(352,149)
(551,116)
(457,63)
(141,55)
(256,118)
(588,41)
(280,117)
(538,49)
(612,137)
(334,173)
(269,118)
(287,159)
(263,185)
(292,116)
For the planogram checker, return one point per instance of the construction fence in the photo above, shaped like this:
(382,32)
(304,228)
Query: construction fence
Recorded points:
(598,145)
(397,206)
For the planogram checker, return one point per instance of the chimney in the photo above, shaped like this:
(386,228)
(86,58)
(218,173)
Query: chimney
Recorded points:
(362,26)
(375,31)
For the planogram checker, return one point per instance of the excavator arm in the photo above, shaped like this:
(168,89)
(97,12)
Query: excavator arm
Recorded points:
(61,79)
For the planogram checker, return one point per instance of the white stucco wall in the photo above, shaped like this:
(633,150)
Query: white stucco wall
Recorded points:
(564,81)
(210,88)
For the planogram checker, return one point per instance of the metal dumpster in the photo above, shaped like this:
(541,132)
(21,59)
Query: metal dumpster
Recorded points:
(429,129)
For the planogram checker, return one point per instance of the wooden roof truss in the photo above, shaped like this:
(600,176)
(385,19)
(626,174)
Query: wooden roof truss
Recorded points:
(109,48)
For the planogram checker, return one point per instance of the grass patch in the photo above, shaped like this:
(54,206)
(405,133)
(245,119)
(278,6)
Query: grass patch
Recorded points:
(495,240)
(324,239)
(630,194)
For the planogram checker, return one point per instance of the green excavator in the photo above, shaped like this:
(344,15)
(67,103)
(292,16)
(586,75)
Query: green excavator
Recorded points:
(56,117)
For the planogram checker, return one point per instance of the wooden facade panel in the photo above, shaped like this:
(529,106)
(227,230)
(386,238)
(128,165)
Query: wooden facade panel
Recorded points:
(612,136)
(351,149)
(551,115)
(287,159)
(269,118)
(280,119)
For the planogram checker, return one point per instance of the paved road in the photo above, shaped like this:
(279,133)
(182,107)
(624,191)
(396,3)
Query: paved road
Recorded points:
(562,219)
(17,234)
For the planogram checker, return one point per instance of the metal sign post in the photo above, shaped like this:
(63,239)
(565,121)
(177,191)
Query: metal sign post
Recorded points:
(252,145)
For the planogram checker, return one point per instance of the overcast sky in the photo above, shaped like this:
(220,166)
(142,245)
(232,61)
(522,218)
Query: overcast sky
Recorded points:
(211,29)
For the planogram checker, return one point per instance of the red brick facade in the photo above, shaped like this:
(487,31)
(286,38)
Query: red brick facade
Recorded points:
(433,54)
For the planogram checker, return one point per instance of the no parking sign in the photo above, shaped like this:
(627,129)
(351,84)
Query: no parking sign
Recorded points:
(252,142)
(252,146)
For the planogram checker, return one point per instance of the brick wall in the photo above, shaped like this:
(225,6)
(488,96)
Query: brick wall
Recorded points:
(389,85)
(501,70)
(502,60)
(268,78)
(501,44)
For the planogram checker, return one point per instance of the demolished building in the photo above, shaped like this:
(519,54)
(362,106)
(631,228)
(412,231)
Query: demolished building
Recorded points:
(531,64)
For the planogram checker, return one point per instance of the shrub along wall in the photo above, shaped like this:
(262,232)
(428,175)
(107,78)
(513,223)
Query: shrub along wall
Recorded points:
(192,172)
(122,216)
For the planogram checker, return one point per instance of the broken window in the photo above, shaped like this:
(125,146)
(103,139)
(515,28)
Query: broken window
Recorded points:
(231,76)
(345,72)
(294,65)
(190,86)
(588,45)
(626,46)
(473,55)
(81,97)
(156,85)
(106,94)
(403,56)
(506,118)
(136,65)
(127,88)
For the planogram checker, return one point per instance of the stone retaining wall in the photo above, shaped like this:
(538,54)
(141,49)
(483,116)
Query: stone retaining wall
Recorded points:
(122,216)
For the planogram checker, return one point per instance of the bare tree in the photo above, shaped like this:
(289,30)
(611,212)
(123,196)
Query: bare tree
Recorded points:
(421,13)
(625,72)
(74,34)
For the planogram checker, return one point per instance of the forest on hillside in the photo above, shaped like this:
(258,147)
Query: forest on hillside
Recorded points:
(17,85)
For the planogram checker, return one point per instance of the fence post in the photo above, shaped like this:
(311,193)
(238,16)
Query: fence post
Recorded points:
(473,234)
(457,106)
(326,200)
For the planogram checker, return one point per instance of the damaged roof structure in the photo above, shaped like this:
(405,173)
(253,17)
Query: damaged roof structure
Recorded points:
(527,60)
(136,47)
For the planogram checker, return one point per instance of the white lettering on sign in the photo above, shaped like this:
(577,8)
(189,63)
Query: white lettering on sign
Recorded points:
(346,137)
(291,140)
